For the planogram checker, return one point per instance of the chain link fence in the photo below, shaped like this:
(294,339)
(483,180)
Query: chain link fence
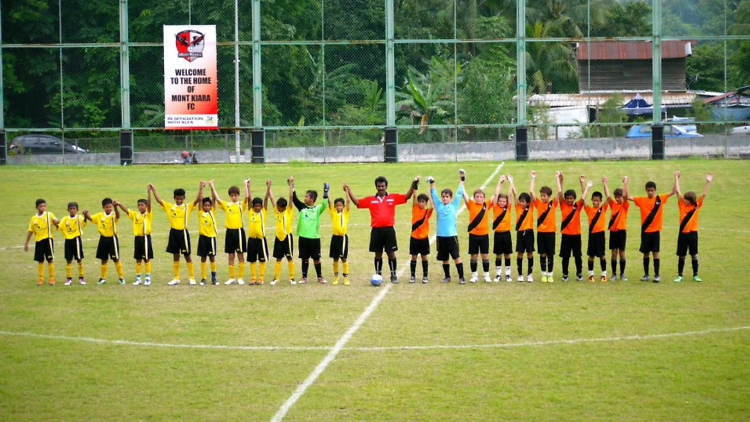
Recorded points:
(325,93)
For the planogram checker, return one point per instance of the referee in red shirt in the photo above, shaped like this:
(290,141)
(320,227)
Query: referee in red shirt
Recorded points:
(382,208)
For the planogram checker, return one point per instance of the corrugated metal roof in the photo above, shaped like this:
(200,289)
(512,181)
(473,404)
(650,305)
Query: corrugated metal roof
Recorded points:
(630,50)
(571,100)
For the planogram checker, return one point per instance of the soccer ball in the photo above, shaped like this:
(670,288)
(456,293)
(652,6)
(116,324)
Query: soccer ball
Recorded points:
(376,280)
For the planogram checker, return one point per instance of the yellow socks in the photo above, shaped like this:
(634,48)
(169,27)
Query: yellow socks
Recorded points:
(51,269)
(346,268)
(203,270)
(291,269)
(176,269)
(148,268)
(104,270)
(241,271)
(40,270)
(69,270)
(213,266)
(335,268)
(232,271)
(191,271)
(118,267)
(253,269)
(80,269)
(138,267)
(262,270)
(276,270)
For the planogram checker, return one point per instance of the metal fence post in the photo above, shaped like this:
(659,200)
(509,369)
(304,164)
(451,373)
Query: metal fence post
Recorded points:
(391,133)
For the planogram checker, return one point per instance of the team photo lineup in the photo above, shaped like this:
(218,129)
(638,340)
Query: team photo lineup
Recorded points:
(500,212)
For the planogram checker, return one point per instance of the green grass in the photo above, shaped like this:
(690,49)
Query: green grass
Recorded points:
(606,372)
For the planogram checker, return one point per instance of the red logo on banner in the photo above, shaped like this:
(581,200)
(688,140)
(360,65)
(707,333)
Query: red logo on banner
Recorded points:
(190,44)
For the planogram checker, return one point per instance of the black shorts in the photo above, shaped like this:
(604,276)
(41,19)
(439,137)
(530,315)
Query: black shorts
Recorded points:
(447,247)
(339,247)
(503,244)
(618,239)
(650,242)
(74,249)
(687,243)
(597,242)
(525,241)
(570,243)
(143,248)
(419,246)
(206,246)
(257,249)
(383,238)
(179,242)
(309,248)
(234,241)
(479,244)
(545,242)
(109,247)
(44,250)
(283,248)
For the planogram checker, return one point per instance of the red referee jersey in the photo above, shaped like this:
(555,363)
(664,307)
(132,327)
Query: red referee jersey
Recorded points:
(382,210)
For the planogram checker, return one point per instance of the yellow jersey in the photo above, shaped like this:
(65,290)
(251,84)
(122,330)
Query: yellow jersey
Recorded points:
(233,210)
(340,221)
(207,225)
(72,227)
(41,226)
(178,215)
(257,227)
(107,224)
(283,222)
(141,222)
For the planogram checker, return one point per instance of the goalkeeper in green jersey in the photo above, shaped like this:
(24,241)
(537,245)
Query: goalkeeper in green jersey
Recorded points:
(308,229)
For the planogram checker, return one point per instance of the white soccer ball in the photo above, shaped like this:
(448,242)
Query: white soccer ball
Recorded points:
(376,280)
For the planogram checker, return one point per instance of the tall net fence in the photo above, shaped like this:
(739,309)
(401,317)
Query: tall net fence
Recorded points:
(334,74)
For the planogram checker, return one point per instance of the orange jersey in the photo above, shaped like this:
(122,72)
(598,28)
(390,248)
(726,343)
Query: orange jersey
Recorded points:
(597,218)
(571,217)
(524,218)
(689,223)
(420,222)
(546,223)
(647,205)
(501,221)
(479,217)
(619,218)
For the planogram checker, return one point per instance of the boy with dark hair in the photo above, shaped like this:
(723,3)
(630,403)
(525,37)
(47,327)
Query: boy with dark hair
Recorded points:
(257,246)
(546,224)
(207,232)
(382,208)
(570,228)
(524,231)
(479,227)
(308,229)
(143,250)
(109,244)
(652,218)
(234,240)
(40,227)
(503,243)
(283,245)
(179,235)
(72,228)
(339,248)
(446,212)
(597,214)
(618,223)
(687,240)
(419,242)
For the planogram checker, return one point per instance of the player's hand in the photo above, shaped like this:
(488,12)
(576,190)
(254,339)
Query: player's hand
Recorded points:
(203,183)
(326,187)
(346,187)
(582,178)
(415,183)
(709,177)
(625,179)
(247,181)
(430,179)
(558,174)
(533,174)
(510,178)
(115,203)
(605,179)
(677,174)
(462,174)
(268,183)
(589,183)
(290,181)
(211,183)
(26,247)
(502,178)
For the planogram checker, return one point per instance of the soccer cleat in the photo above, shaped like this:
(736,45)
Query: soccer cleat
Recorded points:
(52,282)
(322,280)
(614,277)
(274,281)
(487,278)
(498,277)
(696,278)
(474,278)
(657,279)
(102,281)
(68,282)
(645,277)
(174,281)
(203,282)
(241,282)
(446,280)
(82,281)
(579,277)
(292,282)
(230,281)
(412,279)
(252,282)
(192,282)
(215,282)
(678,279)
(550,279)
(591,279)
(508,279)
(530,278)
(147,282)
(461,280)
(335,280)
(137,281)
(121,281)
(260,282)
(303,280)
(565,278)
(346,280)
(520,278)
(603,278)
(40,282)
(623,278)
(425,280)
(394,279)
(544,278)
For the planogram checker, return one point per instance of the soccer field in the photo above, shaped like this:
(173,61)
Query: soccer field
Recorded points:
(628,351)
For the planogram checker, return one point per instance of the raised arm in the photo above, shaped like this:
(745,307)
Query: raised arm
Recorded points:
(626,189)
(498,189)
(558,178)
(605,182)
(86,215)
(462,179)
(414,193)
(588,186)
(512,190)
(351,196)
(412,188)
(123,207)
(582,179)
(117,211)
(213,192)
(268,195)
(148,201)
(247,191)
(433,191)
(156,195)
(293,195)
(709,178)
(676,186)
(531,186)
(199,197)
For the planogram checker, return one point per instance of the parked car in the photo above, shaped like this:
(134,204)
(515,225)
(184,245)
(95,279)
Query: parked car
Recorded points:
(43,144)
(744,130)
(670,131)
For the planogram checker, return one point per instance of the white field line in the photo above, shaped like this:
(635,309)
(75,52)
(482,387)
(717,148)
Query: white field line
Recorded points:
(632,337)
(302,388)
